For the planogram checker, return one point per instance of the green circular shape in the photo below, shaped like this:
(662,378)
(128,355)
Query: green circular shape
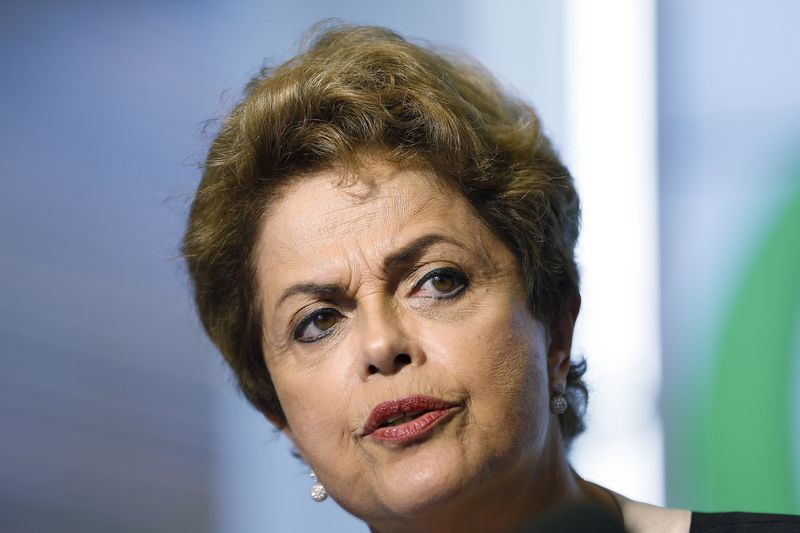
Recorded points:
(749,456)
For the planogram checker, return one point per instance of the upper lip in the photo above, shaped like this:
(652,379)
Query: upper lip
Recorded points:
(386,411)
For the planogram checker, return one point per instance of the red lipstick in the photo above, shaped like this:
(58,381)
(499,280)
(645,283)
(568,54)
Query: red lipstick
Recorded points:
(407,419)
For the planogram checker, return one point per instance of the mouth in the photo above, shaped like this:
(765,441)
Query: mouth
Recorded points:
(407,419)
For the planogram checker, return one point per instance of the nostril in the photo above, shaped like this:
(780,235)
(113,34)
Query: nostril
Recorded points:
(402,359)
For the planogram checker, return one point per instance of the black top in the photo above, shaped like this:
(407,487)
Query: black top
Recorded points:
(744,523)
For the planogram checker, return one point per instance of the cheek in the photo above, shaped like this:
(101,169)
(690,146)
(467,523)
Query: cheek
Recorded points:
(503,365)
(316,401)
(505,349)
(512,372)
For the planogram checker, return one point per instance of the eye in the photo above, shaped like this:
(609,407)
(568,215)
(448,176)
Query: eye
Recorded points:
(441,284)
(317,325)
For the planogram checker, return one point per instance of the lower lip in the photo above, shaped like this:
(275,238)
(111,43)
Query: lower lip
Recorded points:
(413,429)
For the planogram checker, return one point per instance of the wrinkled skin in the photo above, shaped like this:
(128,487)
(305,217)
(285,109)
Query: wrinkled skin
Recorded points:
(383,331)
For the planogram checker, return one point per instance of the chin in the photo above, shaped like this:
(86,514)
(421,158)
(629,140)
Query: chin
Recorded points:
(422,486)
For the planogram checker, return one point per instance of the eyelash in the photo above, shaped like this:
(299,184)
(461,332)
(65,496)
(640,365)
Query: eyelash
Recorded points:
(309,319)
(458,277)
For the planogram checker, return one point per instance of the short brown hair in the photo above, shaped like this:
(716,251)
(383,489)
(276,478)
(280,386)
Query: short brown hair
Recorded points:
(359,91)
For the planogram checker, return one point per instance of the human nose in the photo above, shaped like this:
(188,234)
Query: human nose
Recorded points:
(386,346)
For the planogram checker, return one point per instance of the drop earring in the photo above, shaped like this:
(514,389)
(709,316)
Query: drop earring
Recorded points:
(558,403)
(318,492)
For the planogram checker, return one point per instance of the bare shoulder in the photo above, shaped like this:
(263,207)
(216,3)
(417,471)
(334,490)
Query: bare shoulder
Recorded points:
(644,518)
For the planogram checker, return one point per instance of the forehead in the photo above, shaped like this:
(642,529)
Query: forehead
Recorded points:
(323,210)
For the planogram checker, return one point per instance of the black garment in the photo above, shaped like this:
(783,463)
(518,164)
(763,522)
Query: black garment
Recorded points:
(744,523)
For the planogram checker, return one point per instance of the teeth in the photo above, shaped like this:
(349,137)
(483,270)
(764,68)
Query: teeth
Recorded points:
(402,418)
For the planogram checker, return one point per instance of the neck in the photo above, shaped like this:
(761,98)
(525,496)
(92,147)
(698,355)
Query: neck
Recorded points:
(506,503)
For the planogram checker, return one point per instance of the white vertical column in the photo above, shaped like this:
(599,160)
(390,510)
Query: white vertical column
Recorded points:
(611,150)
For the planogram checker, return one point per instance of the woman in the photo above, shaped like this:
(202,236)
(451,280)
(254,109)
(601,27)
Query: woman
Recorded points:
(382,247)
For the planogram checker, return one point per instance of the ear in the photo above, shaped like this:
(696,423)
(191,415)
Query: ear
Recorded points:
(283,427)
(558,355)
(279,423)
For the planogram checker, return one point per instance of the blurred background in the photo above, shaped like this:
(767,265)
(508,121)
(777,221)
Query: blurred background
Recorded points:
(679,119)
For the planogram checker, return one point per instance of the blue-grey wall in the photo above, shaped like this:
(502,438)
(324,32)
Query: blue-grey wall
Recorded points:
(729,150)
(116,414)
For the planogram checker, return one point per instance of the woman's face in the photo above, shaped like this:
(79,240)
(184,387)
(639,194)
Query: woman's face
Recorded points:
(398,336)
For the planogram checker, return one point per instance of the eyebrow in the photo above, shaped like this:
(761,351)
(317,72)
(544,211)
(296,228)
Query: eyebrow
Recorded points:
(402,258)
(410,253)
(320,291)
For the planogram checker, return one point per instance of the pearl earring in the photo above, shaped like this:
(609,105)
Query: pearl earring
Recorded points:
(318,491)
(558,403)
